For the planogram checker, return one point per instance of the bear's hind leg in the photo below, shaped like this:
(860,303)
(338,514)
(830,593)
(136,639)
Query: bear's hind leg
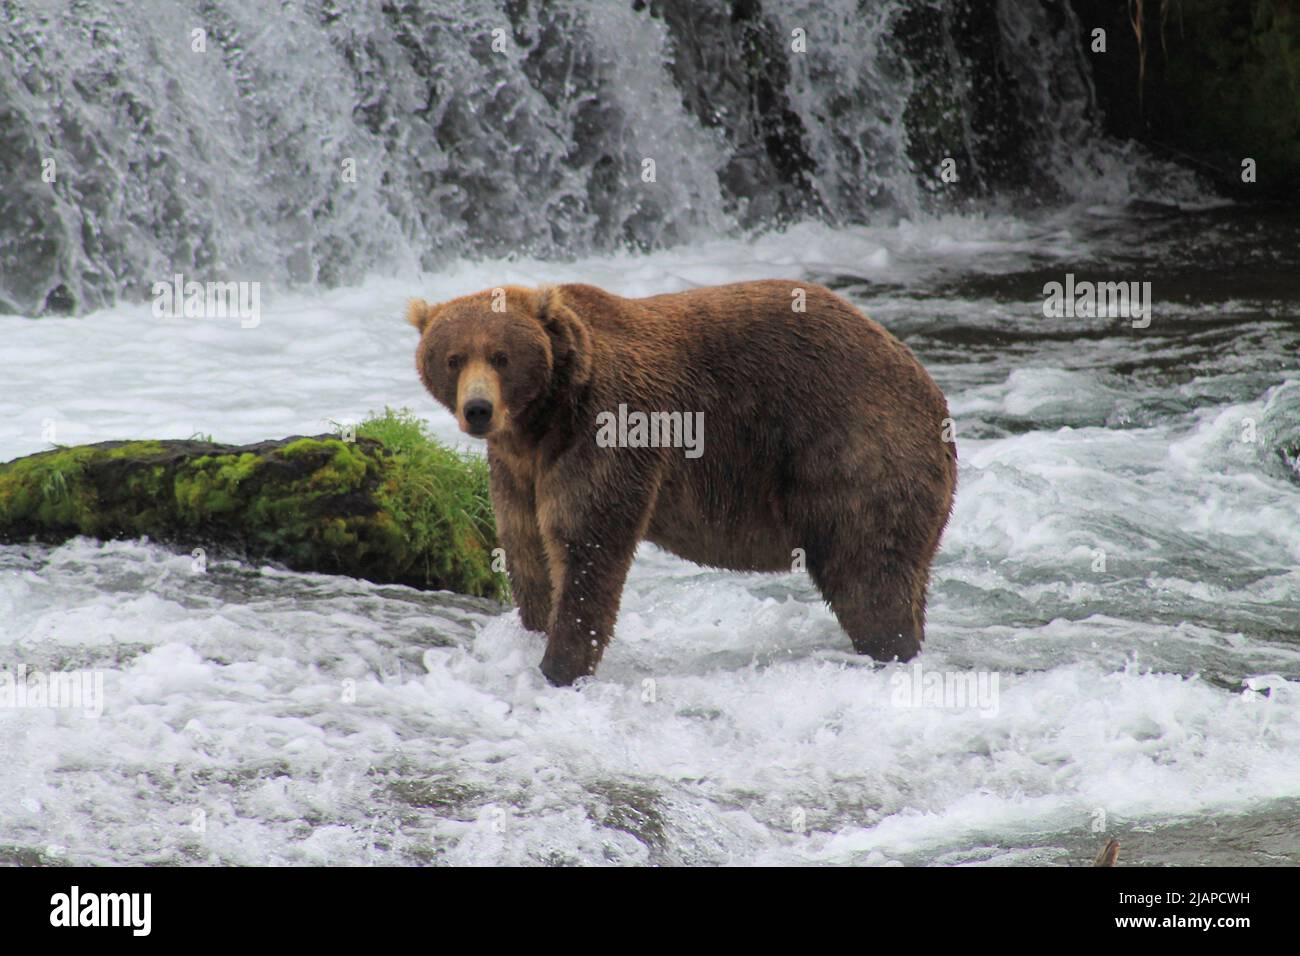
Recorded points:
(882,609)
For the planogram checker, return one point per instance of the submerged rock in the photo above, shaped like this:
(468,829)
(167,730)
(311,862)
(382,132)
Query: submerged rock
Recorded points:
(392,506)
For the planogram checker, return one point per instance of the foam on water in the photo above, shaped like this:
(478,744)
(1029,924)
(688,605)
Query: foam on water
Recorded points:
(235,709)
(729,722)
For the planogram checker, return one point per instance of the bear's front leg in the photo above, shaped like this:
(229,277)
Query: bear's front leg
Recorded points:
(515,506)
(589,541)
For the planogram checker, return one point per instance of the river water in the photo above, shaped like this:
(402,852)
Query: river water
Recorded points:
(1122,567)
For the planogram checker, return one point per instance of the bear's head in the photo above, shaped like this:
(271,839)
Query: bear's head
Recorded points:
(500,359)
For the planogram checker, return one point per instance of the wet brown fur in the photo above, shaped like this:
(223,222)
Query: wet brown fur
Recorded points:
(821,432)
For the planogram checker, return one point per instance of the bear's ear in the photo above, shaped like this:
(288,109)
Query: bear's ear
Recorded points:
(420,313)
(570,337)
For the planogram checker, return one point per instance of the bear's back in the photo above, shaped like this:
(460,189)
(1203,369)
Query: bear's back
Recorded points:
(751,342)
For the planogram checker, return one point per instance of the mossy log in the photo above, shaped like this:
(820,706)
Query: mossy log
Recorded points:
(415,514)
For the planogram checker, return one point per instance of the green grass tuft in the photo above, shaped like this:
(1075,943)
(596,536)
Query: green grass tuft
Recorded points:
(439,498)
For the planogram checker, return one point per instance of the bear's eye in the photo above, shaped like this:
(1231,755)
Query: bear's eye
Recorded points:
(499,360)
(455,361)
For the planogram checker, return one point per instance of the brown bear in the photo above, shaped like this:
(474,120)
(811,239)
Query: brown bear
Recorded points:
(732,426)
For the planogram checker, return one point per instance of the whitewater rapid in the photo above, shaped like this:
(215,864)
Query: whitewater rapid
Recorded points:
(1119,557)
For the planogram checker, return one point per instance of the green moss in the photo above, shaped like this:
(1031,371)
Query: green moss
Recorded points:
(50,491)
(136,449)
(211,485)
(46,489)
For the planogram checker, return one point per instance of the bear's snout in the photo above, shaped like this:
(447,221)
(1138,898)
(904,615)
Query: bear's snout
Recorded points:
(479,406)
(478,415)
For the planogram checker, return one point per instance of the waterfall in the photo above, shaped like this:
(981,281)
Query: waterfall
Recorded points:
(316,141)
